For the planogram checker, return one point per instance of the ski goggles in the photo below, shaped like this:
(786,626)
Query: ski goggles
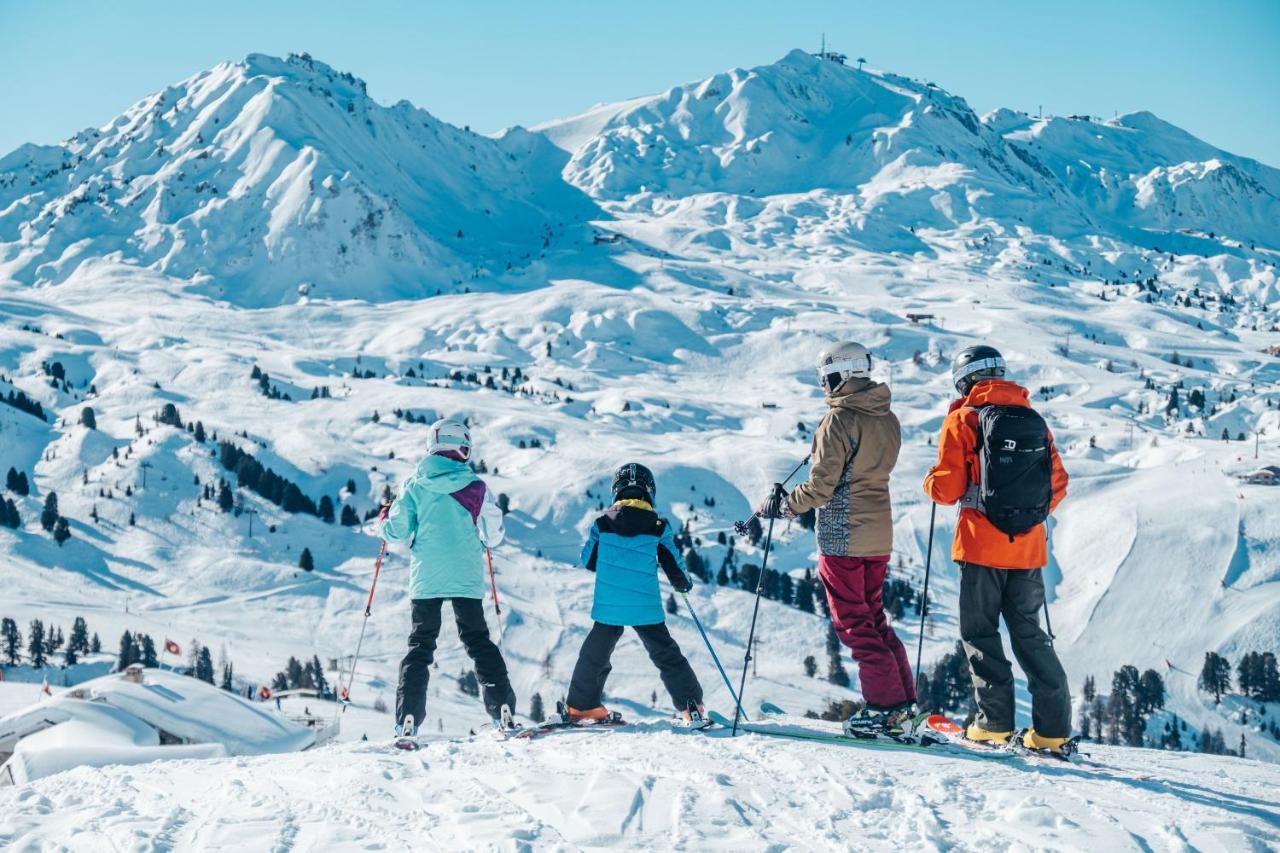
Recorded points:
(979,366)
(840,365)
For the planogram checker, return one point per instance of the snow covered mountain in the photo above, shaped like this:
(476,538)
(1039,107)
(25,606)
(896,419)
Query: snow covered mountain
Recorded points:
(255,177)
(676,262)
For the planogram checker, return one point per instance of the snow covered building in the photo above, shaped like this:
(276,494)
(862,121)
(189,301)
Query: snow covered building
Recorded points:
(1266,476)
(138,716)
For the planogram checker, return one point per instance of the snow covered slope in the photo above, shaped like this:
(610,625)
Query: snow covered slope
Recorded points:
(651,789)
(758,216)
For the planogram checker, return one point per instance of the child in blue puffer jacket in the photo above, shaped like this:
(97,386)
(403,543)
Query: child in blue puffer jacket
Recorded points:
(449,517)
(625,548)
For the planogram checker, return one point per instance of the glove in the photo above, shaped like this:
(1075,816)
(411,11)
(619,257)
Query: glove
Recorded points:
(775,506)
(682,585)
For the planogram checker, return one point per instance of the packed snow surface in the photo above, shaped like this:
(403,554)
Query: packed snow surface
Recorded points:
(651,788)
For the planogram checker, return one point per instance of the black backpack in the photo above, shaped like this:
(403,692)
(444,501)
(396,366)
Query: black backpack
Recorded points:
(1016,468)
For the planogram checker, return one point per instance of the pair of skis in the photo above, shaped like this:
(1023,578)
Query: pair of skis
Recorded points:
(506,727)
(561,721)
(933,733)
(408,740)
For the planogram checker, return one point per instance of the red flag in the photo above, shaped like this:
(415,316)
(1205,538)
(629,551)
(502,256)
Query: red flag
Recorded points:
(44,688)
(171,647)
(264,693)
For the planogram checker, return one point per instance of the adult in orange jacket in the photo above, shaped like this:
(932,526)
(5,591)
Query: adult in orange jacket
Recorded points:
(1000,571)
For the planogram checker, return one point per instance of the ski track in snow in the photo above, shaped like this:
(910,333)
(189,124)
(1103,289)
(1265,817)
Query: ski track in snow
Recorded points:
(648,787)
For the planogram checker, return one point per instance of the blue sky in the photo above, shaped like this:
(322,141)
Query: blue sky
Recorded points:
(1210,67)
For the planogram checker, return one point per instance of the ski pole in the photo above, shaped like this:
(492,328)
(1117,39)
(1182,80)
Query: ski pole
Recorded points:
(493,581)
(740,527)
(493,584)
(751,635)
(368,611)
(714,657)
(924,596)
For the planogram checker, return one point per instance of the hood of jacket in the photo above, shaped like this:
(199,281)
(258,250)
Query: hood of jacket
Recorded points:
(443,475)
(871,398)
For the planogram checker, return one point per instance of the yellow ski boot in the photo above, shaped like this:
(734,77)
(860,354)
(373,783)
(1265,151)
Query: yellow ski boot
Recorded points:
(1058,747)
(978,734)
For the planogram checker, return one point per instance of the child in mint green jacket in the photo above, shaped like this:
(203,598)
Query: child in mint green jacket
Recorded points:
(449,517)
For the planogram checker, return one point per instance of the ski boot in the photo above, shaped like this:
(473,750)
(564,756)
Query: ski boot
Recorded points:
(898,723)
(694,716)
(405,733)
(406,727)
(986,737)
(1062,748)
(505,723)
(588,716)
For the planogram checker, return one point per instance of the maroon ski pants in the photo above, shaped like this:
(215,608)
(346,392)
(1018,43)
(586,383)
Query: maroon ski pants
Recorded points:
(855,586)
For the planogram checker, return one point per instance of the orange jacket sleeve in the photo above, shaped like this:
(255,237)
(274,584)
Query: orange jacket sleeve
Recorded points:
(948,480)
(1059,480)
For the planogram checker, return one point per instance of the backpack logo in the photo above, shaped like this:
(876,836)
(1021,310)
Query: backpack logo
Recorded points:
(1010,444)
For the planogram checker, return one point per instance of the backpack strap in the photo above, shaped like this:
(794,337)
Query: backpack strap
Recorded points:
(971,497)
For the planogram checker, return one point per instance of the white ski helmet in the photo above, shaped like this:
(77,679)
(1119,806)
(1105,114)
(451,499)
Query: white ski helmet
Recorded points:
(446,435)
(841,362)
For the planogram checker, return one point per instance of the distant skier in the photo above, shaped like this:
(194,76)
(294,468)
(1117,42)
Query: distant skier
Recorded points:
(855,448)
(996,457)
(449,517)
(625,548)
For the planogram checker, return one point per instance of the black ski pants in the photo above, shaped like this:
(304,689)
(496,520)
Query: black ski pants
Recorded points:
(986,594)
(415,669)
(593,667)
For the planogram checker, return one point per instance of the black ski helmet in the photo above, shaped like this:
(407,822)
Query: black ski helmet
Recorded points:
(633,480)
(973,364)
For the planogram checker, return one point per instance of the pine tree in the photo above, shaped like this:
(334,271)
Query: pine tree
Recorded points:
(49,517)
(69,657)
(294,670)
(1150,693)
(1090,689)
(1270,679)
(810,666)
(228,683)
(804,592)
(61,531)
(306,562)
(11,637)
(11,479)
(36,650)
(147,651)
(204,666)
(326,509)
(468,683)
(200,433)
(349,517)
(95,645)
(1215,675)
(87,418)
(321,684)
(226,500)
(536,712)
(128,654)
(79,641)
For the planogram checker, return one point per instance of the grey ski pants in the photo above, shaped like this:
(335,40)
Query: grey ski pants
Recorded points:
(986,594)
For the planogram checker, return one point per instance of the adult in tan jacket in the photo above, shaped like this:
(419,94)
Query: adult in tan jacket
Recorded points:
(854,451)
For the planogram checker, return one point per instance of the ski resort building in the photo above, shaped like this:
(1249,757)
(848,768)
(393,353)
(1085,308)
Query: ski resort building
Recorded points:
(139,716)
